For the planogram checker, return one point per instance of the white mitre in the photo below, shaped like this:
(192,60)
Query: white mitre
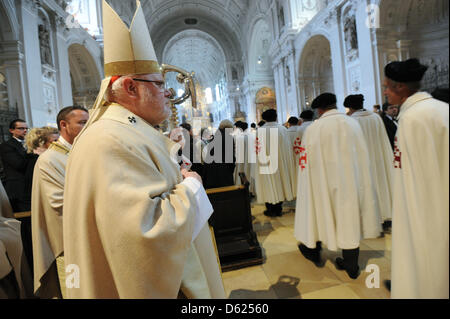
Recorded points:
(126,51)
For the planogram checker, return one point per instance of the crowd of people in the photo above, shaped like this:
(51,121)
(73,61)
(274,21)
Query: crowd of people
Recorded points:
(120,210)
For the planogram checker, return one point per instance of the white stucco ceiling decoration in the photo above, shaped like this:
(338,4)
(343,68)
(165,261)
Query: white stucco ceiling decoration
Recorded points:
(197,51)
(412,13)
(222,20)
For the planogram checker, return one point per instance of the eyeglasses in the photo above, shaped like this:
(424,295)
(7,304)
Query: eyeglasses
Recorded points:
(21,128)
(159,84)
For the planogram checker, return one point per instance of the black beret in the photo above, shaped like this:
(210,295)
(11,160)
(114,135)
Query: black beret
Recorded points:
(307,115)
(406,71)
(324,100)
(270,115)
(293,120)
(355,101)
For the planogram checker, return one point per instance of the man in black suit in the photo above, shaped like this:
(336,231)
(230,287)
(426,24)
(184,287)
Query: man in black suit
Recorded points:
(389,116)
(14,159)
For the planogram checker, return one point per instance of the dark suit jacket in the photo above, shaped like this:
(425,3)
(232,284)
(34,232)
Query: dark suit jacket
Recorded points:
(391,129)
(222,173)
(14,159)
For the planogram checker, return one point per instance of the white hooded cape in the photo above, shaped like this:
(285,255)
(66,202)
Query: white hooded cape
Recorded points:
(420,209)
(274,169)
(381,158)
(336,201)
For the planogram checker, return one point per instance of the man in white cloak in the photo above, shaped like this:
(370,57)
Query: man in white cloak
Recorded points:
(380,151)
(336,202)
(47,205)
(296,138)
(274,169)
(135,223)
(421,184)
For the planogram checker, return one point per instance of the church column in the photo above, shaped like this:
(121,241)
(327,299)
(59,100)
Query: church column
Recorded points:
(369,82)
(278,94)
(28,16)
(13,68)
(332,22)
(282,103)
(403,47)
(293,98)
(63,74)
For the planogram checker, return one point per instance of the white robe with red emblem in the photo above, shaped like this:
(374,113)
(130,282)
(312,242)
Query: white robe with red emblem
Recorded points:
(336,200)
(381,158)
(274,169)
(420,221)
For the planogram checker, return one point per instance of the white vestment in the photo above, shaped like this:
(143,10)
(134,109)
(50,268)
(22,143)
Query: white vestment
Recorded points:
(274,169)
(336,201)
(130,218)
(420,223)
(296,140)
(46,217)
(381,158)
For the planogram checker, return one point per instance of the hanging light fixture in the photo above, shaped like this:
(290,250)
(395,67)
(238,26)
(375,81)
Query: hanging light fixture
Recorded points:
(259,60)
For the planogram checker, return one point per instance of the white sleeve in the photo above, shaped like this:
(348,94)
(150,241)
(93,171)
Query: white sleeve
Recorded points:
(205,207)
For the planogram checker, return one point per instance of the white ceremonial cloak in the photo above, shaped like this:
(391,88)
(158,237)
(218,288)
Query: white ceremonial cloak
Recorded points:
(296,140)
(129,217)
(381,158)
(420,224)
(46,218)
(274,169)
(336,201)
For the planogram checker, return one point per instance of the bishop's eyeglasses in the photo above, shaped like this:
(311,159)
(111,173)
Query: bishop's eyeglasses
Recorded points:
(159,84)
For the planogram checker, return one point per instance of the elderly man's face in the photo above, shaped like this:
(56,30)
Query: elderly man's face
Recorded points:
(394,95)
(152,99)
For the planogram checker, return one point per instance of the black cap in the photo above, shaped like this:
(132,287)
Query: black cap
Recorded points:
(293,120)
(406,71)
(270,115)
(323,101)
(355,101)
(307,115)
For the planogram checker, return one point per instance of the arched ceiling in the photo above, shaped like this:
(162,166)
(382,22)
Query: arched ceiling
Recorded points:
(221,19)
(412,13)
(316,57)
(195,50)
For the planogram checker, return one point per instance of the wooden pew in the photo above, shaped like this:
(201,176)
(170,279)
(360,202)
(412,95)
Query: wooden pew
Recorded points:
(231,220)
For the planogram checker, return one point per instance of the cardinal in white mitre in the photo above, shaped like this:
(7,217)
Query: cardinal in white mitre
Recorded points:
(135,222)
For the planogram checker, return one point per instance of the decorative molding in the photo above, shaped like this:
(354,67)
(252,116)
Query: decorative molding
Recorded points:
(32,5)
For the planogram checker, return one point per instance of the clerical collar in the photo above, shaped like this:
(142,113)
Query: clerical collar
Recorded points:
(389,117)
(18,140)
(64,142)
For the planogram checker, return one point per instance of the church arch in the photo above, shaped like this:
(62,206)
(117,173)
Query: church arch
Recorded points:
(265,99)
(415,28)
(85,77)
(315,70)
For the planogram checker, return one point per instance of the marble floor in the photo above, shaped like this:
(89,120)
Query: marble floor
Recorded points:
(286,274)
